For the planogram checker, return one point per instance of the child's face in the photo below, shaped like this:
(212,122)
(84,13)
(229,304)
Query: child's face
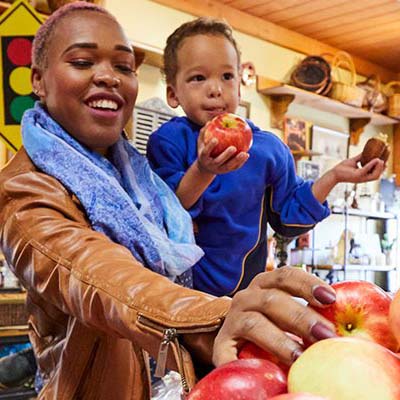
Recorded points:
(207,81)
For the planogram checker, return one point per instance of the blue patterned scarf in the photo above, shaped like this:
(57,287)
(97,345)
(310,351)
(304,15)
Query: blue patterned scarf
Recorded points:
(123,198)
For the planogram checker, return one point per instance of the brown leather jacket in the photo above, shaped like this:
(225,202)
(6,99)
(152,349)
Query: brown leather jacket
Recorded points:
(93,308)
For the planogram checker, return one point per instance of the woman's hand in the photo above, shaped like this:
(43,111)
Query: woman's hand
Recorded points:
(264,311)
(223,163)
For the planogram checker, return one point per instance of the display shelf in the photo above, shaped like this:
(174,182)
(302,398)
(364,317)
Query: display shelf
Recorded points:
(282,95)
(363,213)
(355,267)
(345,266)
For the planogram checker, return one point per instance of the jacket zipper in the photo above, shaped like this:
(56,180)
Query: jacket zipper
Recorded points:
(172,335)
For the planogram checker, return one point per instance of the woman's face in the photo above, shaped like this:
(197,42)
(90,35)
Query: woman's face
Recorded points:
(89,85)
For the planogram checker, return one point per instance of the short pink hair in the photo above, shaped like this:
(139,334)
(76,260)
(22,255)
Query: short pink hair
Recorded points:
(44,34)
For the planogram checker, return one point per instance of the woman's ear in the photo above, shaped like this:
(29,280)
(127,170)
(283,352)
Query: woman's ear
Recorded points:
(172,98)
(37,82)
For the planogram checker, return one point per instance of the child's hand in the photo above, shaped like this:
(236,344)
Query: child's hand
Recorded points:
(223,163)
(348,170)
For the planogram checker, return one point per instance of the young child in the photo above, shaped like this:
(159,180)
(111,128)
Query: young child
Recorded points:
(231,198)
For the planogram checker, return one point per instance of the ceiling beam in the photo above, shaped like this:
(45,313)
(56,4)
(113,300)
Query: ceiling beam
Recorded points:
(272,33)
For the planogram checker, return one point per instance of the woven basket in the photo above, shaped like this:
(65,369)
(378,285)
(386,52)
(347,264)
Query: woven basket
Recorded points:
(344,92)
(313,74)
(12,314)
(393,99)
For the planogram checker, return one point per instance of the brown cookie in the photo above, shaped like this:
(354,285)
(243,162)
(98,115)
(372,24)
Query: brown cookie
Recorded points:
(374,148)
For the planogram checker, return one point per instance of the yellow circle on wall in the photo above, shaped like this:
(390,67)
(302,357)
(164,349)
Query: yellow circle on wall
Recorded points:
(20,80)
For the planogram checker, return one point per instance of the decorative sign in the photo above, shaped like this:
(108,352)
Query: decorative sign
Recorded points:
(18,26)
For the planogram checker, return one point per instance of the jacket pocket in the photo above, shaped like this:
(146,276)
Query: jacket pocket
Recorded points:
(170,340)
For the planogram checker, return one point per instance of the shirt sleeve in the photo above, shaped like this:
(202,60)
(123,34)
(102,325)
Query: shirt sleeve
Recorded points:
(171,150)
(293,209)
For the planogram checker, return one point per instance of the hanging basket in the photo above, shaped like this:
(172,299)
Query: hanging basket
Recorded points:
(392,90)
(346,93)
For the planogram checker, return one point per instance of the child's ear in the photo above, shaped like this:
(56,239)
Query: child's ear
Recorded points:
(172,99)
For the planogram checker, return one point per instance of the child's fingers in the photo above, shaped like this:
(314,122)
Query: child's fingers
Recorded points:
(208,148)
(225,155)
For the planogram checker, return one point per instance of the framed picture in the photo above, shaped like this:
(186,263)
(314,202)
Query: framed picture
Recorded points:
(243,109)
(333,148)
(308,169)
(296,134)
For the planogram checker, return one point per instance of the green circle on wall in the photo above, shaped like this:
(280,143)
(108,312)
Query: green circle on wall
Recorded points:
(19,105)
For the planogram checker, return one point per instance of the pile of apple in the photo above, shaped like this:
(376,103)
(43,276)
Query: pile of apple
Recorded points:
(361,363)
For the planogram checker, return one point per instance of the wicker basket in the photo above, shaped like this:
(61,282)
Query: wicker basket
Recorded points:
(344,92)
(313,74)
(393,99)
(13,310)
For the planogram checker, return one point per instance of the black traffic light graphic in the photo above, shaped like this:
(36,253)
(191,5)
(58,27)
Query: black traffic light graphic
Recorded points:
(17,89)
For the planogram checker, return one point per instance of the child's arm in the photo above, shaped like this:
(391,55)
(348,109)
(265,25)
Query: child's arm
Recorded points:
(347,171)
(203,171)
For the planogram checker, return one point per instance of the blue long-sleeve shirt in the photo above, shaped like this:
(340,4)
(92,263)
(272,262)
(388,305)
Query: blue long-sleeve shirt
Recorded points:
(231,215)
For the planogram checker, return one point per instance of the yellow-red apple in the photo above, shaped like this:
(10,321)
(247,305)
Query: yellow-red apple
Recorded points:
(394,316)
(230,130)
(346,369)
(361,309)
(241,380)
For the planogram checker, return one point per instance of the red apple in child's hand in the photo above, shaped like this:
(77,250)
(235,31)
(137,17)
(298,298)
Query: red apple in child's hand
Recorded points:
(361,309)
(394,316)
(241,380)
(230,130)
(346,369)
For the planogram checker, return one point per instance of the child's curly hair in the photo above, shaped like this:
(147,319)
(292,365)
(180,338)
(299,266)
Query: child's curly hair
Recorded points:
(199,26)
(44,34)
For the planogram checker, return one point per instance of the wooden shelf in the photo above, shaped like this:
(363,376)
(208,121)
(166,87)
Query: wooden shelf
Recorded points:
(42,8)
(282,95)
(147,54)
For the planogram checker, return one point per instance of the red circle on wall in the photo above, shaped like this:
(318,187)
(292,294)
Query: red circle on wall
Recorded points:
(19,51)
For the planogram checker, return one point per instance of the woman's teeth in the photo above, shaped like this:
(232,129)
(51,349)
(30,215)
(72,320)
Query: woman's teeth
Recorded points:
(106,104)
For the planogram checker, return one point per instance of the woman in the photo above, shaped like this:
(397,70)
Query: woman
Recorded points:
(90,232)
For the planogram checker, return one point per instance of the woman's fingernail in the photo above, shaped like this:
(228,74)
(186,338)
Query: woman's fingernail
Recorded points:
(296,354)
(321,331)
(324,295)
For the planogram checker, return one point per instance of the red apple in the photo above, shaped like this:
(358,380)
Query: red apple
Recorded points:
(251,350)
(394,316)
(298,396)
(230,130)
(361,309)
(241,380)
(346,369)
